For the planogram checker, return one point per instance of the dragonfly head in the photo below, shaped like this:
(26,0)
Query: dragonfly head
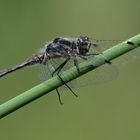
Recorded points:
(84,44)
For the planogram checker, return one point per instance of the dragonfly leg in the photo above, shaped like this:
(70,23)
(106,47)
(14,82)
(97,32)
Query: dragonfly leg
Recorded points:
(60,67)
(85,57)
(67,86)
(57,71)
(108,62)
(76,64)
(89,54)
(59,97)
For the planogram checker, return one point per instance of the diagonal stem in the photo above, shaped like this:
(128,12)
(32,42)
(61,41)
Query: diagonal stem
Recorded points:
(71,74)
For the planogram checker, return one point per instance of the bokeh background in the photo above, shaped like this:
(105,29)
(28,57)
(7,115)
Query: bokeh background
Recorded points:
(108,111)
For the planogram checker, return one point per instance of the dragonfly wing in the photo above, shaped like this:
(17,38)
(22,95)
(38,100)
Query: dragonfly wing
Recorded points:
(101,75)
(44,73)
(129,57)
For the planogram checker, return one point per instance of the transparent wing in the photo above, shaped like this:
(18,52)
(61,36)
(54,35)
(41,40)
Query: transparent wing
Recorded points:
(45,71)
(102,45)
(100,75)
(129,57)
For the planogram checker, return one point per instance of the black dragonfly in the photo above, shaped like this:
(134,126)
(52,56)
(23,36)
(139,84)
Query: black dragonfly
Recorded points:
(68,48)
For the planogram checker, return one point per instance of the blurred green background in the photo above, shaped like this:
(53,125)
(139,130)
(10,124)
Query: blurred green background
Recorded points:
(109,111)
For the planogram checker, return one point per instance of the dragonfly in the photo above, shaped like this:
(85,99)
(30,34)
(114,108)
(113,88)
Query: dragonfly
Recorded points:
(66,48)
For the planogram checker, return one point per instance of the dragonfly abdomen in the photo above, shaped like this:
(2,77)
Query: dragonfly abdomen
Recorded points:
(36,59)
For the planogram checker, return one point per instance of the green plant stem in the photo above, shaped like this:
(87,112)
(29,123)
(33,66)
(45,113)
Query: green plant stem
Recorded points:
(71,74)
